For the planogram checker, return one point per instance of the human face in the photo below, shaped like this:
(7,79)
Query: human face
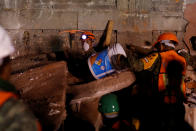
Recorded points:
(86,44)
(166,44)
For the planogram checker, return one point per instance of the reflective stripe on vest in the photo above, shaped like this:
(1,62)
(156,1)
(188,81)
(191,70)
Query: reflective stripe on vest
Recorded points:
(166,57)
(4,96)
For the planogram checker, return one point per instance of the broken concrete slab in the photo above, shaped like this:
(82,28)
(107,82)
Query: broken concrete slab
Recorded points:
(86,96)
(44,90)
(88,110)
(102,86)
(21,64)
(190,116)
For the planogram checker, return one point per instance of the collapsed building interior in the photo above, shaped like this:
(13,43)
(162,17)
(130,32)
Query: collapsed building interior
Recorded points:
(48,65)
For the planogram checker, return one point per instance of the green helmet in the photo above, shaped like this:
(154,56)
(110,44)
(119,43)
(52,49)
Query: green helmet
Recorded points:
(108,105)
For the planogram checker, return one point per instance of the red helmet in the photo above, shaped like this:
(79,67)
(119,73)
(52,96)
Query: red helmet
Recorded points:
(87,35)
(167,36)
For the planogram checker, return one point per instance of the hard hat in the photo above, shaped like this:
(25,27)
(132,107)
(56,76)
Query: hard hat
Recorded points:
(108,105)
(87,35)
(6,47)
(167,36)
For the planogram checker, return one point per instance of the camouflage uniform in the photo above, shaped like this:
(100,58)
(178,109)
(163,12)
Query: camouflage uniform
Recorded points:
(154,113)
(14,115)
(137,65)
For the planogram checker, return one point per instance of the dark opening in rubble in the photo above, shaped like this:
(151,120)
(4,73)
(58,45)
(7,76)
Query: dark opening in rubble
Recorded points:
(193,42)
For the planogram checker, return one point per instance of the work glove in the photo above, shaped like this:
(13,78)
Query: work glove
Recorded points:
(184,53)
(191,97)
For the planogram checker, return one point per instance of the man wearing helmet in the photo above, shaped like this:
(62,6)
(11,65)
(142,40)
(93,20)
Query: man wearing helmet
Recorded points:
(87,40)
(158,61)
(167,69)
(14,115)
(109,108)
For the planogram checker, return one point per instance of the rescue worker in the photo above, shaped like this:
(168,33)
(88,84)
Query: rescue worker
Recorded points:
(109,108)
(164,108)
(157,62)
(88,43)
(14,115)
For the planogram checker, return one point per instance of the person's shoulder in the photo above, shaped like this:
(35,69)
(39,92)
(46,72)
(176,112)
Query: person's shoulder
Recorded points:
(14,113)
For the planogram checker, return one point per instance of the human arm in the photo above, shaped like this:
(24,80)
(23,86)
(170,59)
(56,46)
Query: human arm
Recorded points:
(146,63)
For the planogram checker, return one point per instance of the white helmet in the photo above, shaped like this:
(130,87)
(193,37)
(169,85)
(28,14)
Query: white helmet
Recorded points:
(6,47)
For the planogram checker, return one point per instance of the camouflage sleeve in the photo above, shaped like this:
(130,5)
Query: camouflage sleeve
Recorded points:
(134,63)
(150,61)
(14,116)
(146,63)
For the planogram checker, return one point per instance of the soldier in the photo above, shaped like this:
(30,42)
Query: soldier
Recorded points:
(14,115)
(164,105)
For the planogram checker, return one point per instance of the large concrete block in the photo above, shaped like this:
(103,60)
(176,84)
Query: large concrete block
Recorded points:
(190,116)
(167,5)
(13,4)
(140,6)
(38,19)
(135,38)
(44,90)
(9,19)
(105,2)
(48,19)
(122,21)
(132,22)
(22,64)
(160,22)
(94,20)
(123,5)
(28,42)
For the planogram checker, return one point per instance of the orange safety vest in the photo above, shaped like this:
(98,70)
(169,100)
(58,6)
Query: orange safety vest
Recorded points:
(4,96)
(166,57)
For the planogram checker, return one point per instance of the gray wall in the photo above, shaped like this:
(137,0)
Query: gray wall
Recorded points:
(34,25)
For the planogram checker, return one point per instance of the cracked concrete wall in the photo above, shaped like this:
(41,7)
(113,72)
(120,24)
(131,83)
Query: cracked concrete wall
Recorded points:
(44,19)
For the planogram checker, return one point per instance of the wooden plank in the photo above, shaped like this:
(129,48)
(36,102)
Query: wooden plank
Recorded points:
(108,33)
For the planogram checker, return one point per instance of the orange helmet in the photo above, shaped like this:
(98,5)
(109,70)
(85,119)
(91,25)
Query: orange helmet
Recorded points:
(167,36)
(87,35)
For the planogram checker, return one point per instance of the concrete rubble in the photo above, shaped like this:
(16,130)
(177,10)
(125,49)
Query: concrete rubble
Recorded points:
(44,90)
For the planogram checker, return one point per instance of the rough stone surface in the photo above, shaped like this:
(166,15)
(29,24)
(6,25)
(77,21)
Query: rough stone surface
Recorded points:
(136,16)
(139,39)
(190,16)
(44,89)
(103,86)
(167,23)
